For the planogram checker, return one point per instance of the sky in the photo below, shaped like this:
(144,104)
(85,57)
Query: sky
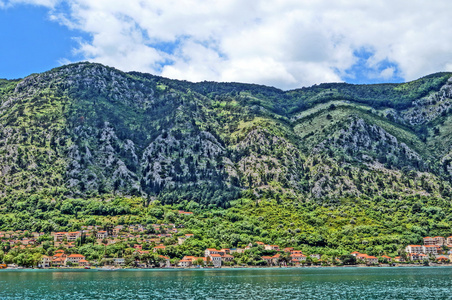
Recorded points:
(282,43)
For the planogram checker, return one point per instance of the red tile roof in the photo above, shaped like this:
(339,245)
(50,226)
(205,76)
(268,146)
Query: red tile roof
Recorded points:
(76,255)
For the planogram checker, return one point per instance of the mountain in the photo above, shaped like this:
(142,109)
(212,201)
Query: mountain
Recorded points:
(86,130)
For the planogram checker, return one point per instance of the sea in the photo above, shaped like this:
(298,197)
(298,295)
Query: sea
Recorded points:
(257,283)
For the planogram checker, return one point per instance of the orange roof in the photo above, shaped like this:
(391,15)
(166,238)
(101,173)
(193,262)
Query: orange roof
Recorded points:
(59,259)
(297,255)
(211,249)
(83,261)
(356,252)
(189,257)
(414,246)
(165,257)
(266,257)
(76,255)
(215,255)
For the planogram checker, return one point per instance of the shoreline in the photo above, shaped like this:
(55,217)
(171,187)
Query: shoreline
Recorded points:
(101,269)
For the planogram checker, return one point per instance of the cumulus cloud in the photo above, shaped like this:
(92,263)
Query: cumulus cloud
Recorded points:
(287,43)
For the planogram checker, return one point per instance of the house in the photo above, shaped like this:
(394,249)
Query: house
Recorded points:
(59,236)
(83,263)
(430,249)
(442,259)
(227,257)
(423,257)
(355,254)
(316,256)
(101,235)
(72,236)
(210,251)
(371,259)
(418,256)
(216,260)
(74,259)
(449,240)
(429,241)
(439,240)
(275,258)
(268,259)
(362,257)
(288,249)
(59,262)
(165,263)
(46,261)
(398,259)
(389,259)
(414,249)
(271,247)
(159,247)
(297,257)
(185,263)
(59,254)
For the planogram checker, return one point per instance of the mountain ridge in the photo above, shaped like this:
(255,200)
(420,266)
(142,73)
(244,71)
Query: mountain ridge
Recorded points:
(85,130)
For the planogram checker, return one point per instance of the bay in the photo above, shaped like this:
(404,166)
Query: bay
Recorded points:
(265,283)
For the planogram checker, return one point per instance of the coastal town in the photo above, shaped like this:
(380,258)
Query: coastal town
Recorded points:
(152,246)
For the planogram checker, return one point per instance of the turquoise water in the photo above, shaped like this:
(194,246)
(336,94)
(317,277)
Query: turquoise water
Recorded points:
(293,283)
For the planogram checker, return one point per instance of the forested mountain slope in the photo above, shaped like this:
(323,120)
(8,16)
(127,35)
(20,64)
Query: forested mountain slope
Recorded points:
(86,130)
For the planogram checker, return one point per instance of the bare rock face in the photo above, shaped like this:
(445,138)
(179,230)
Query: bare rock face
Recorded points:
(366,142)
(430,107)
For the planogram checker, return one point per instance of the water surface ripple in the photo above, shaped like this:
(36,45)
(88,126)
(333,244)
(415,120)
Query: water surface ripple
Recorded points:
(290,283)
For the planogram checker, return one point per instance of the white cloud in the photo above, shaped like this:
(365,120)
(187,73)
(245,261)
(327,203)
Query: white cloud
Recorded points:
(286,43)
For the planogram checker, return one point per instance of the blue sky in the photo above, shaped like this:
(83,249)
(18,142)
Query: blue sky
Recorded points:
(286,44)
(31,43)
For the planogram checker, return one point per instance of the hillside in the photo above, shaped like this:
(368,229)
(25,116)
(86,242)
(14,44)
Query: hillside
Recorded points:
(86,130)
(332,166)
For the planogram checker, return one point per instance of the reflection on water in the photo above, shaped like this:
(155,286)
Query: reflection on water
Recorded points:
(301,283)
